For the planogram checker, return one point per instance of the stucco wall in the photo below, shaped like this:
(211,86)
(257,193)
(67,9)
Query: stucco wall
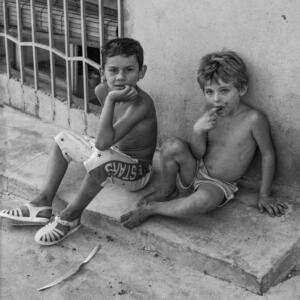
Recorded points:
(175,34)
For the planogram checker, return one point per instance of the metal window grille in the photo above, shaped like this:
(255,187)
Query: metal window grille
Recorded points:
(73,23)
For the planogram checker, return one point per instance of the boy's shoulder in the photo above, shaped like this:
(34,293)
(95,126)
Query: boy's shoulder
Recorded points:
(253,115)
(144,96)
(145,101)
(252,112)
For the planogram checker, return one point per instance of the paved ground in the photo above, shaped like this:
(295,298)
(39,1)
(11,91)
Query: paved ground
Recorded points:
(118,271)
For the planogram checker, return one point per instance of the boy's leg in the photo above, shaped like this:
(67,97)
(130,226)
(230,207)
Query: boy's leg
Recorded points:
(175,158)
(90,187)
(39,210)
(56,169)
(69,220)
(205,199)
(67,147)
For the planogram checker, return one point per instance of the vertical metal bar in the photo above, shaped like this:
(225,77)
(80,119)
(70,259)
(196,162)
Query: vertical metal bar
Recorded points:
(67,52)
(20,48)
(74,68)
(101,32)
(120,19)
(7,52)
(51,46)
(34,50)
(84,56)
(101,27)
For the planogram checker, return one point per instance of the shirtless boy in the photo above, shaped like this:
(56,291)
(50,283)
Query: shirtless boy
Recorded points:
(121,152)
(223,144)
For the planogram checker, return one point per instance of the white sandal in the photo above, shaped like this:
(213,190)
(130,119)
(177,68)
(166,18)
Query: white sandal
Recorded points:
(16,214)
(50,234)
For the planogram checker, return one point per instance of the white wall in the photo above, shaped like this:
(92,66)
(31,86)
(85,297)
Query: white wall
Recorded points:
(175,34)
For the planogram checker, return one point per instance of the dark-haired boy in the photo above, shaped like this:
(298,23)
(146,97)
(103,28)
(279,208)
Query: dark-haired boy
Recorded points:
(121,152)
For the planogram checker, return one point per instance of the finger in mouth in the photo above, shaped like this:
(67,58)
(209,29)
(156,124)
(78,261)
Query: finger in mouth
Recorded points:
(219,109)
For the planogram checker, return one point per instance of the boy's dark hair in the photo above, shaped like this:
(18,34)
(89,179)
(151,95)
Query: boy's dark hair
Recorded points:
(125,47)
(224,65)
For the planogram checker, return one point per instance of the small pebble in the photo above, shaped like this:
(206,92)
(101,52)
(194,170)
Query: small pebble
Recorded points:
(109,238)
(122,292)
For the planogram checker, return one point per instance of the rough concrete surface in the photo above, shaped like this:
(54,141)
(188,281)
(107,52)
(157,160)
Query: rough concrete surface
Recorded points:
(118,271)
(234,243)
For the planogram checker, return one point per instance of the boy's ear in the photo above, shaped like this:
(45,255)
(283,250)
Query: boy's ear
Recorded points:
(243,90)
(142,72)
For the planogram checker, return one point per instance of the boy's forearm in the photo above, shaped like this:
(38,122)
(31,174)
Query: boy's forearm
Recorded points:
(268,170)
(105,130)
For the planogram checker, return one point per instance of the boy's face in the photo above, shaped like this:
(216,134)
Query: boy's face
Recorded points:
(121,70)
(224,96)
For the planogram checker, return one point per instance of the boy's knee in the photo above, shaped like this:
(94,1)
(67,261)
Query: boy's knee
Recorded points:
(60,139)
(173,147)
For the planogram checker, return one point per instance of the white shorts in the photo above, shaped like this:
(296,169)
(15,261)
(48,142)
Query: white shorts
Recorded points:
(105,166)
(202,176)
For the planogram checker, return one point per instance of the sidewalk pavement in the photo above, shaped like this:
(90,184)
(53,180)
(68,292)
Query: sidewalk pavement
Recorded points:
(234,243)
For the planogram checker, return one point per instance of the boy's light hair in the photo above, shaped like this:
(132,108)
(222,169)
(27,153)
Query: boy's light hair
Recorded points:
(124,47)
(223,65)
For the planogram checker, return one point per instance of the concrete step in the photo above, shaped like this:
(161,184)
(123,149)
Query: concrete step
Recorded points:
(117,271)
(234,243)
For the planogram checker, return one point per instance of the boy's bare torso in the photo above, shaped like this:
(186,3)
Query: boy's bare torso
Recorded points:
(231,146)
(140,142)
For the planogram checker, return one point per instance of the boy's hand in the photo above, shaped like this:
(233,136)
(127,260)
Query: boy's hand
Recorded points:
(129,93)
(271,205)
(207,121)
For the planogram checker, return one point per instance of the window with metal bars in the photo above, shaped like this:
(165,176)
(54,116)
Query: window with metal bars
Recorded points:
(54,45)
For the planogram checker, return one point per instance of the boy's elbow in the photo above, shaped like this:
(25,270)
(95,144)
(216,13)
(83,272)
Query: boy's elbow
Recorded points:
(101,92)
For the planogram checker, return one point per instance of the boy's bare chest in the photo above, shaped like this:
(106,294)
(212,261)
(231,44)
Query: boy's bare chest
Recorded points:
(231,132)
(125,110)
(121,109)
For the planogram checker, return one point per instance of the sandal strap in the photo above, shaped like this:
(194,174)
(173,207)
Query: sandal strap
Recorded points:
(67,223)
(35,210)
(50,234)
(17,212)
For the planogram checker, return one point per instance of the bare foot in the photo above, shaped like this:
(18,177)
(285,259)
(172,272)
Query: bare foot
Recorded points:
(136,217)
